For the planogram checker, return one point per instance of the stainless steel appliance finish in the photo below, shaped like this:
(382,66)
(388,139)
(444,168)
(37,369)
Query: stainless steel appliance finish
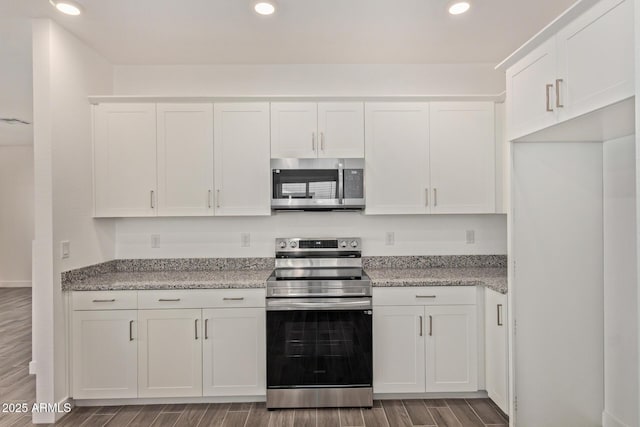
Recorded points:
(317,184)
(319,320)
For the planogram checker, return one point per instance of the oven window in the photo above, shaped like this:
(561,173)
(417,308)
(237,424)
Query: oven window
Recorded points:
(319,348)
(305,184)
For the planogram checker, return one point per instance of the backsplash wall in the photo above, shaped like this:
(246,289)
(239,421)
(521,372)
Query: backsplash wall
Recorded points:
(221,236)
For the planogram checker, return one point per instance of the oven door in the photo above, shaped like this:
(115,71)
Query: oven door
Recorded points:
(319,343)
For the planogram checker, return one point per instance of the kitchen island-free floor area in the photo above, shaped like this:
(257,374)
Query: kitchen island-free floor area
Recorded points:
(389,413)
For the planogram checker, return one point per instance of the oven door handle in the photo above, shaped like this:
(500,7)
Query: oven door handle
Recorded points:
(287,304)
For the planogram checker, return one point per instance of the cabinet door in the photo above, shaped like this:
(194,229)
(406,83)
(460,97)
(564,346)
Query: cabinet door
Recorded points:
(496,351)
(451,348)
(185,159)
(169,353)
(528,97)
(341,129)
(124,153)
(397,157)
(105,362)
(462,150)
(234,352)
(242,170)
(294,127)
(595,58)
(398,349)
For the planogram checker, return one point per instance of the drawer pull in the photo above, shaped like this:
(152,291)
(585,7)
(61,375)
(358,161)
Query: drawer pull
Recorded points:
(169,299)
(430,325)
(425,296)
(233,299)
(105,300)
(206,329)
(499,307)
(130,330)
(420,325)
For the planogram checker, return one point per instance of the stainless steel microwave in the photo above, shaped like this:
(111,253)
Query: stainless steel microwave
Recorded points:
(317,184)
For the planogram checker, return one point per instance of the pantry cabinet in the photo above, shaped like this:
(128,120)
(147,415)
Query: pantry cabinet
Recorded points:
(586,66)
(124,153)
(317,130)
(496,349)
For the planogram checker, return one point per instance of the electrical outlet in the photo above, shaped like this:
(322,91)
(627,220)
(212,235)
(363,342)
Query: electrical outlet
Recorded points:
(245,240)
(471,236)
(390,238)
(65,249)
(155,241)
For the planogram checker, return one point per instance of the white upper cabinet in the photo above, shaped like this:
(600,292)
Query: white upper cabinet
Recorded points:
(341,129)
(462,151)
(185,159)
(587,65)
(242,169)
(125,160)
(397,157)
(311,130)
(595,59)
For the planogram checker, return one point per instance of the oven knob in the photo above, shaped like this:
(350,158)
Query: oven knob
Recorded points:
(283,244)
(354,244)
(343,244)
(293,243)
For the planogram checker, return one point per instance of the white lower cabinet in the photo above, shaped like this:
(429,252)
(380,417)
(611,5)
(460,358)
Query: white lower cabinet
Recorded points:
(496,349)
(170,353)
(234,351)
(425,348)
(104,352)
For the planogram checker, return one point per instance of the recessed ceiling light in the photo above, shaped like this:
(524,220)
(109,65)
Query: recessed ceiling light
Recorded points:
(68,7)
(265,7)
(457,7)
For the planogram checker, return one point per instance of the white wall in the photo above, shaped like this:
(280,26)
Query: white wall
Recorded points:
(309,79)
(620,284)
(220,237)
(65,72)
(16,214)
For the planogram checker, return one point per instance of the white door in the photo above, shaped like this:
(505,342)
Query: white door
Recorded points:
(451,348)
(531,91)
(397,157)
(169,353)
(341,129)
(242,169)
(105,354)
(594,58)
(124,153)
(185,159)
(462,151)
(496,351)
(398,349)
(234,352)
(294,130)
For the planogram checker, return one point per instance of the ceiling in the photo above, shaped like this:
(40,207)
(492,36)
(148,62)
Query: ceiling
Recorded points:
(301,32)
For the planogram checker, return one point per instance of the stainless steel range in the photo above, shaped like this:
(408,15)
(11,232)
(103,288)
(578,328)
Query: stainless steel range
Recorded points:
(319,316)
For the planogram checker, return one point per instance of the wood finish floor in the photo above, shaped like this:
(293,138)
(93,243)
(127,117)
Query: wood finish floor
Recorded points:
(17,386)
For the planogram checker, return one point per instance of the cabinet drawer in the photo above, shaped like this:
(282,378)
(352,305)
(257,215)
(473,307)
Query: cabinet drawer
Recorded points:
(201,298)
(104,300)
(427,295)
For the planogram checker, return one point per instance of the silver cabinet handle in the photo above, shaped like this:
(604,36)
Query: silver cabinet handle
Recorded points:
(313,141)
(549,86)
(218,198)
(206,329)
(322,141)
(499,314)
(152,195)
(232,298)
(209,199)
(420,325)
(430,325)
(426,197)
(558,81)
(425,296)
(130,330)
(169,299)
(196,328)
(435,197)
(105,300)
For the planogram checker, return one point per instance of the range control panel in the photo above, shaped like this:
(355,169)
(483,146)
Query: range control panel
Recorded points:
(318,244)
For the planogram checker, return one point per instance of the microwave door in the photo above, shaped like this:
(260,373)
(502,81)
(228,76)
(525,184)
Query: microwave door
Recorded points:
(300,188)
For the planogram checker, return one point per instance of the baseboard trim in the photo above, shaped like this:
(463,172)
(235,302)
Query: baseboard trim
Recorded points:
(51,417)
(168,400)
(456,395)
(16,284)
(609,420)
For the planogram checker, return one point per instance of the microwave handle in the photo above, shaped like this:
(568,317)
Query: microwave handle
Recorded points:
(340,183)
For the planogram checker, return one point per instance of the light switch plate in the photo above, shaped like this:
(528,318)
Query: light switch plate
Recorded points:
(65,249)
(155,241)
(390,238)
(471,236)
(245,240)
